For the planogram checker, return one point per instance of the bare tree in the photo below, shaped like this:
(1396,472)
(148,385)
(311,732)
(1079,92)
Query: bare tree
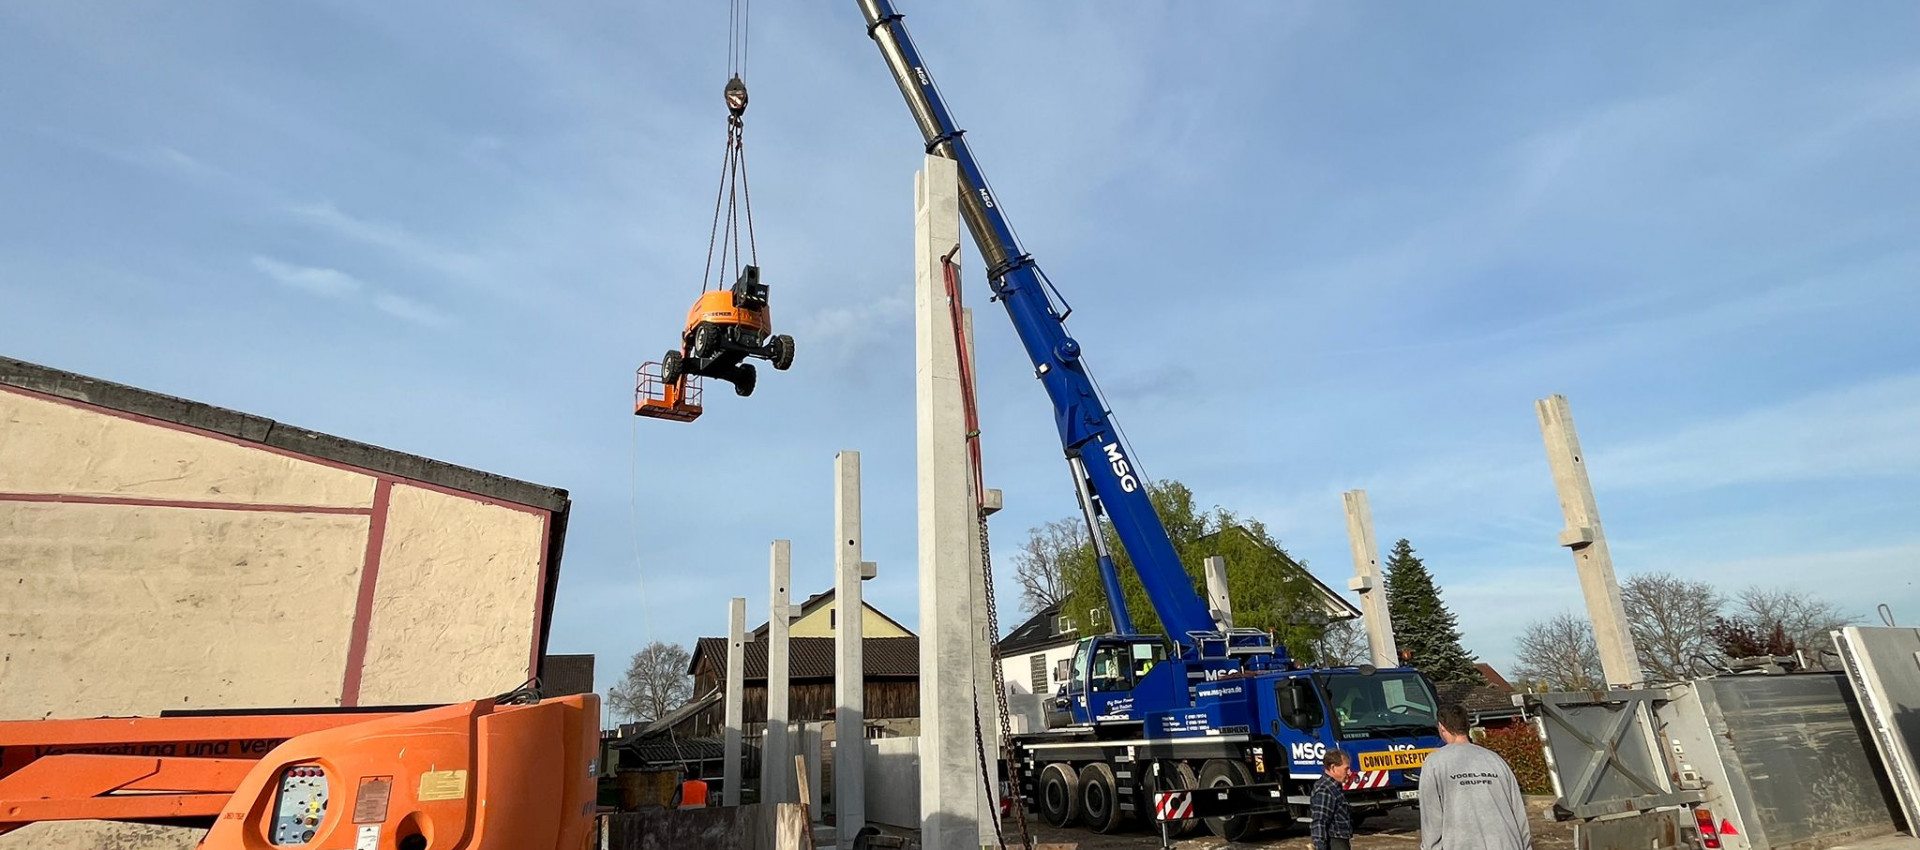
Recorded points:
(1559,653)
(1806,619)
(1343,644)
(656,683)
(1041,564)
(1672,621)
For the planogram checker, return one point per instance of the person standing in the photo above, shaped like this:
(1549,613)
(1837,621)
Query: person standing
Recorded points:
(1469,799)
(1332,819)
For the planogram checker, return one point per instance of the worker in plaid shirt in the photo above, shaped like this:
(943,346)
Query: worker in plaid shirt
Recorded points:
(1332,819)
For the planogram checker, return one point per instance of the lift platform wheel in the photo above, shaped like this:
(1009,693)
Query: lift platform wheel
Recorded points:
(655,398)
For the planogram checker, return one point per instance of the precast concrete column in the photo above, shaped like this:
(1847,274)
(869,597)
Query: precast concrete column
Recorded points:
(849,674)
(1368,582)
(776,760)
(952,796)
(735,703)
(1618,660)
(1219,600)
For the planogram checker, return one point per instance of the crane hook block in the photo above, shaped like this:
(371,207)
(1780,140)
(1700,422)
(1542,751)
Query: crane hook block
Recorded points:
(736,97)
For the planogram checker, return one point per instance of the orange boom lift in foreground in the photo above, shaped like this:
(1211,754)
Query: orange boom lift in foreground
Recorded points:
(491,774)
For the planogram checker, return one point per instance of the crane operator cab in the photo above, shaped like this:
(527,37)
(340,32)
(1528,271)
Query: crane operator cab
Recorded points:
(724,328)
(1100,681)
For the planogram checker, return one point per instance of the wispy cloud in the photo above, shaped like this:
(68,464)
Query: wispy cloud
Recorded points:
(1865,430)
(336,284)
(402,243)
(330,283)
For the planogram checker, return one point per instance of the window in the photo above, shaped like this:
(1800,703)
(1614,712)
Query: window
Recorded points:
(1382,705)
(1299,704)
(833,618)
(1039,667)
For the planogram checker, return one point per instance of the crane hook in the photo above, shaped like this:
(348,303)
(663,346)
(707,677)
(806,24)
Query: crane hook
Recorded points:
(736,97)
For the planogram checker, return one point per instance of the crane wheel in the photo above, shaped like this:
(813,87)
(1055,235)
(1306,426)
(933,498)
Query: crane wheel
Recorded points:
(1179,776)
(1059,795)
(782,346)
(670,367)
(744,379)
(1218,772)
(1098,801)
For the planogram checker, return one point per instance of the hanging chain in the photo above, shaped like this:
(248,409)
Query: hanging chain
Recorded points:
(964,353)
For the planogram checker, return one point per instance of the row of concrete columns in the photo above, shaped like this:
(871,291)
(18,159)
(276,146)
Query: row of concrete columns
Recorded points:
(1583,536)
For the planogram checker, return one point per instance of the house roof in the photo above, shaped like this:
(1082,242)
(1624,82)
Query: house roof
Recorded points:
(233,425)
(812,657)
(1336,598)
(1493,677)
(1037,633)
(1479,700)
(817,601)
(667,750)
(674,717)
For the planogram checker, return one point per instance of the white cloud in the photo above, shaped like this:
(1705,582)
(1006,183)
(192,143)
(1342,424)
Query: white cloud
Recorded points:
(395,239)
(406,308)
(328,283)
(1865,430)
(336,284)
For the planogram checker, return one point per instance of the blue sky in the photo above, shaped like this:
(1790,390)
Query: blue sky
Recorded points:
(1310,247)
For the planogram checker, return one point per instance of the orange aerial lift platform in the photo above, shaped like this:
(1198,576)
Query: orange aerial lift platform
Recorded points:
(511,772)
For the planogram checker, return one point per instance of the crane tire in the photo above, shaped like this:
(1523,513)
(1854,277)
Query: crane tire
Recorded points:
(1099,798)
(670,367)
(1059,795)
(1182,778)
(1218,772)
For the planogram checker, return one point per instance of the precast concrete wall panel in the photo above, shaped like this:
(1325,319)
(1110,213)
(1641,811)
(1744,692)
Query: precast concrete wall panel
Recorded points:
(441,550)
(118,610)
(54,448)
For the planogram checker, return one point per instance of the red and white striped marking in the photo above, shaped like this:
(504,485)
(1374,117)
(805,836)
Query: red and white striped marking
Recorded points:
(1173,805)
(1366,780)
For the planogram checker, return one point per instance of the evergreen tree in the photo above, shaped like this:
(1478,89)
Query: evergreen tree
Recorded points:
(1425,631)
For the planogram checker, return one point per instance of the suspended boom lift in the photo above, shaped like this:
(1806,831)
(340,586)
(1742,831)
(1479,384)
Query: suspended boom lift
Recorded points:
(725,326)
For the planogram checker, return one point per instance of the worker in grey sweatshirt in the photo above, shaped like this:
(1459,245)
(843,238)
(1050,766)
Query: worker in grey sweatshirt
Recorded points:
(1469,799)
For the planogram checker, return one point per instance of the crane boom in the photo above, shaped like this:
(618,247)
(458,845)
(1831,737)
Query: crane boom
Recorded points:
(1093,446)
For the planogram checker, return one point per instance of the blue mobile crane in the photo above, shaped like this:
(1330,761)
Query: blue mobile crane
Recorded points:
(1203,705)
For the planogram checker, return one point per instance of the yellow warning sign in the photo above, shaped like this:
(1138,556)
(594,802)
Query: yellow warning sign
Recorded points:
(442,785)
(1393,760)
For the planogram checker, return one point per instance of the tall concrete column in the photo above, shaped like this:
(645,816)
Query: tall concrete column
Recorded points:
(952,798)
(1618,660)
(776,759)
(849,676)
(1219,600)
(735,703)
(1368,582)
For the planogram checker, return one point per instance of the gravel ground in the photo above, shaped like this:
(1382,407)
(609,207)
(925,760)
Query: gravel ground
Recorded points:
(1397,830)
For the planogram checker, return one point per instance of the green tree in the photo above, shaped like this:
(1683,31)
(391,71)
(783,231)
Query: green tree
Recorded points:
(1270,590)
(1425,631)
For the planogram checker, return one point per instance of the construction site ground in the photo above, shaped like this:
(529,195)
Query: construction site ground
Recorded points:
(1396,830)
